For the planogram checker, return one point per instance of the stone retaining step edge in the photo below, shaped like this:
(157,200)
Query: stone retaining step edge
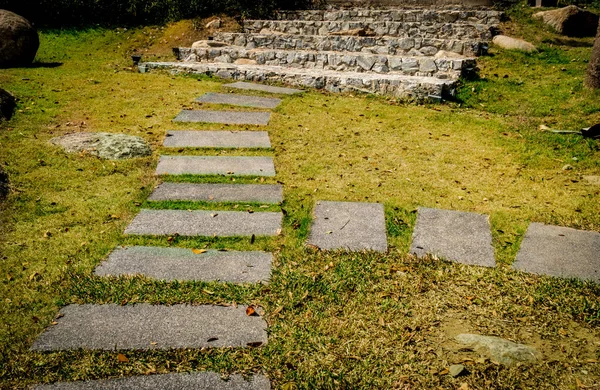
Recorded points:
(195,380)
(376,45)
(144,326)
(422,66)
(400,86)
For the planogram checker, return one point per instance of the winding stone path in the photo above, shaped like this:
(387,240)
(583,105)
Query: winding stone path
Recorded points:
(144,326)
(454,235)
(225,117)
(560,251)
(213,192)
(187,264)
(176,381)
(215,165)
(205,223)
(239,100)
(217,139)
(352,226)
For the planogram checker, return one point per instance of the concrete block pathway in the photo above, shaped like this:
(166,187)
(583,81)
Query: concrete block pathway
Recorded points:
(213,192)
(215,165)
(217,139)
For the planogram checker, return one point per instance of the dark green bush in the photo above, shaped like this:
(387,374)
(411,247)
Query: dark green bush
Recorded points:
(69,13)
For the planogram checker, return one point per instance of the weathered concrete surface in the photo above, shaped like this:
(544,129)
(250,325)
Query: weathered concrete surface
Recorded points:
(560,251)
(144,326)
(353,226)
(263,88)
(205,223)
(224,117)
(209,192)
(175,381)
(216,165)
(239,100)
(187,264)
(456,236)
(217,139)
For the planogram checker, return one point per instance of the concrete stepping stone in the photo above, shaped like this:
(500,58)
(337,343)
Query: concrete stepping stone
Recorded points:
(205,223)
(215,165)
(560,251)
(187,264)
(263,88)
(144,326)
(239,100)
(225,117)
(217,139)
(353,226)
(454,235)
(174,381)
(254,193)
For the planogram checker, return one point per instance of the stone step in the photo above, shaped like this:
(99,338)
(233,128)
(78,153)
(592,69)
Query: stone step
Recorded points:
(212,192)
(224,117)
(410,3)
(143,327)
(263,88)
(352,226)
(560,251)
(454,235)
(404,87)
(338,61)
(460,31)
(185,264)
(239,100)
(216,165)
(216,139)
(377,45)
(477,16)
(175,381)
(211,223)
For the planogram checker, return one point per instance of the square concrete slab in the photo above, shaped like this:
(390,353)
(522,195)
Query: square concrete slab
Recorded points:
(560,251)
(187,264)
(225,117)
(175,381)
(209,192)
(217,139)
(144,326)
(263,88)
(205,223)
(454,235)
(349,225)
(215,165)
(239,100)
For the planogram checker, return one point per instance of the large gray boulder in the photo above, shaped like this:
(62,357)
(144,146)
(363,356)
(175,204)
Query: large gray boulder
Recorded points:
(3,184)
(571,21)
(7,105)
(110,146)
(19,41)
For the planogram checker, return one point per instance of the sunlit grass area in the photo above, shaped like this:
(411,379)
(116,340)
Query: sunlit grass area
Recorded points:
(336,320)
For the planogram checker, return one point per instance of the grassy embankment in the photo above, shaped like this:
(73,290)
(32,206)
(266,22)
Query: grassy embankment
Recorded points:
(336,320)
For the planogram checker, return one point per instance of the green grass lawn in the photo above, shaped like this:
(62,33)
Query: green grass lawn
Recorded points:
(336,320)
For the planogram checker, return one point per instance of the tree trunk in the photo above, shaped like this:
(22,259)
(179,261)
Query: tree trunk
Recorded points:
(592,76)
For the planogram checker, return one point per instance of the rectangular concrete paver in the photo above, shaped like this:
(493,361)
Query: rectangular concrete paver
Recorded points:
(239,100)
(224,117)
(145,326)
(187,264)
(216,165)
(454,235)
(213,192)
(174,381)
(263,88)
(205,223)
(560,251)
(349,225)
(217,139)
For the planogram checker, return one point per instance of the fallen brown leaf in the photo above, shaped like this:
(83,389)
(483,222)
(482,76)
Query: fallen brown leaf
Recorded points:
(198,251)
(122,358)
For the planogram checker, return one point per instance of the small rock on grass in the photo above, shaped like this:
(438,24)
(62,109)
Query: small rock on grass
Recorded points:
(511,43)
(500,350)
(456,370)
(111,146)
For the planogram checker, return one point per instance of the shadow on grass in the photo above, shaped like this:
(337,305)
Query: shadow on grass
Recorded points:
(44,65)
(567,42)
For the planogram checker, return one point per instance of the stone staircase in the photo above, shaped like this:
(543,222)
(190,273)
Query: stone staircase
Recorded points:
(410,52)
